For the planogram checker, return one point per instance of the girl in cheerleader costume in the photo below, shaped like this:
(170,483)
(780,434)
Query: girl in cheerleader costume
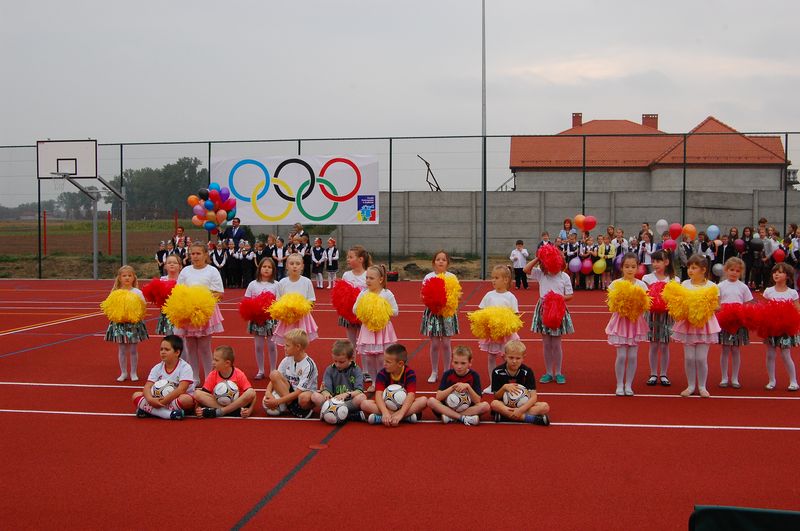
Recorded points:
(262,333)
(375,303)
(437,327)
(782,275)
(358,260)
(296,284)
(500,296)
(732,291)
(659,322)
(172,268)
(126,330)
(628,301)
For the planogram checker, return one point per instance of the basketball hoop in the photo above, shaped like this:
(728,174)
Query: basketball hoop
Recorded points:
(59,184)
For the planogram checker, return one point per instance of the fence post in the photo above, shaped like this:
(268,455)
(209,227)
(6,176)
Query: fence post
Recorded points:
(109,233)
(785,174)
(683,186)
(583,177)
(123,217)
(44,227)
(390,204)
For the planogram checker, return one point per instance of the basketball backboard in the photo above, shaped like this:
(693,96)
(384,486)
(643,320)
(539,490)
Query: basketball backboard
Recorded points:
(76,159)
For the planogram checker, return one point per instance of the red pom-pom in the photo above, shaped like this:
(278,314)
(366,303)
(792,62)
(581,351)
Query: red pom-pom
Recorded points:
(553,310)
(158,291)
(731,317)
(256,308)
(434,295)
(658,304)
(778,318)
(551,259)
(343,297)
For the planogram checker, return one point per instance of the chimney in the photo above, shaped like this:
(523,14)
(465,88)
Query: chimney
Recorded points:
(650,120)
(577,119)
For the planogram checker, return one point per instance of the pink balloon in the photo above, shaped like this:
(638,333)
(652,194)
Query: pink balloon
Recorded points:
(586,266)
(670,245)
(199,210)
(575,265)
(740,245)
(675,230)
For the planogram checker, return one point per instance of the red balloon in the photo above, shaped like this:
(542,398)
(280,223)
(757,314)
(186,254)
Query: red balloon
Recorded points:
(229,205)
(740,245)
(589,222)
(214,195)
(778,255)
(675,231)
(586,266)
(641,271)
(670,245)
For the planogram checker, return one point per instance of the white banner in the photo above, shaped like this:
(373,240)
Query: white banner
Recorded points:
(330,190)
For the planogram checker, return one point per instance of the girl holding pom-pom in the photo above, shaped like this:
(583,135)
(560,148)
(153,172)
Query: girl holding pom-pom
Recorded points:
(780,291)
(262,333)
(733,291)
(197,339)
(295,282)
(172,268)
(499,297)
(374,308)
(127,326)
(438,327)
(698,328)
(658,320)
(628,300)
(555,288)
(358,260)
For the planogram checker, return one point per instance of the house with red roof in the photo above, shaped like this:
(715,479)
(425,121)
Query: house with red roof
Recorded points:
(624,156)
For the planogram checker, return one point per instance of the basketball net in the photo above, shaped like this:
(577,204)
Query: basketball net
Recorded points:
(59,184)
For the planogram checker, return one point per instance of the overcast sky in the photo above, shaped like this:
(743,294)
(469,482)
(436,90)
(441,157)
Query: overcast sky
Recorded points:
(212,70)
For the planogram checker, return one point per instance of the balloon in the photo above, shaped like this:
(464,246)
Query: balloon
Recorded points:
(778,255)
(669,245)
(213,186)
(192,200)
(224,194)
(718,270)
(589,222)
(197,221)
(203,193)
(599,267)
(209,204)
(640,271)
(757,245)
(211,216)
(221,216)
(578,222)
(690,231)
(575,265)
(675,231)
(229,204)
(231,214)
(740,245)
(712,231)
(199,210)
(214,195)
(209,225)
(586,266)
(214,231)
(618,262)
(662,226)
(756,236)
(718,243)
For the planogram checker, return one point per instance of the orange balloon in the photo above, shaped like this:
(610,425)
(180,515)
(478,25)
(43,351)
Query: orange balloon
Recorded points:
(211,216)
(578,222)
(192,200)
(197,221)
(690,231)
(221,216)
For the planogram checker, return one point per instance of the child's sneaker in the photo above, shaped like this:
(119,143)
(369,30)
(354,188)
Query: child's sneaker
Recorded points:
(142,414)
(498,417)
(470,420)
(259,376)
(411,419)
(446,419)
(433,378)
(546,379)
(209,413)
(375,419)
(122,377)
(488,391)
(134,377)
(176,414)
(561,379)
(541,420)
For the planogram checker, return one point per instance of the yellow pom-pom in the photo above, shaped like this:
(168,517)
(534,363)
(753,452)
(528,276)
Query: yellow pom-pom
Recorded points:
(702,303)
(373,311)
(124,306)
(494,322)
(190,306)
(290,308)
(628,300)
(453,289)
(675,296)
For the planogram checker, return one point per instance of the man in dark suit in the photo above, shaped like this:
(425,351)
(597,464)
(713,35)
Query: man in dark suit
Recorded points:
(234,232)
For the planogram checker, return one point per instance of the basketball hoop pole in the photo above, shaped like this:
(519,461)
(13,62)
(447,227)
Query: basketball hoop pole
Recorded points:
(94,195)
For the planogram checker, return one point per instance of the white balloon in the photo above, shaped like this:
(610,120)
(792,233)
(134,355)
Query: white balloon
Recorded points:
(662,226)
(756,236)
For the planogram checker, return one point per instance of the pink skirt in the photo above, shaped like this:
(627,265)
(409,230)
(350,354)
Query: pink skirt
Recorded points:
(623,331)
(307,323)
(496,347)
(683,332)
(370,342)
(214,326)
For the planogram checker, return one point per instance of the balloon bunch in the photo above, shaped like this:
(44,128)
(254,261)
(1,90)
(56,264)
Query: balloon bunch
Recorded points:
(213,208)
(585,222)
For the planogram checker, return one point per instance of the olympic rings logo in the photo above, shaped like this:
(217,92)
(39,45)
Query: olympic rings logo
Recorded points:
(283,190)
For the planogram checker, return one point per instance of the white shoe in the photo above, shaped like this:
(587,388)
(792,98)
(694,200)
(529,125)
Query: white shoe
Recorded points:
(446,419)
(620,391)
(122,377)
(488,390)
(433,378)
(134,377)
(470,420)
(628,391)
(411,419)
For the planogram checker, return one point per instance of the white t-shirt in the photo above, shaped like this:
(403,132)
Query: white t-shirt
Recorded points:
(519,257)
(688,284)
(433,274)
(559,283)
(504,300)
(635,281)
(303,286)
(650,279)
(772,295)
(139,293)
(301,374)
(181,373)
(256,288)
(733,292)
(386,294)
(208,276)
(359,281)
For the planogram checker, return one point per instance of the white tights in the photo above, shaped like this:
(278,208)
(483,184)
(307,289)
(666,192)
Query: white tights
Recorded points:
(654,366)
(331,279)
(372,364)
(625,366)
(695,362)
(133,354)
(786,354)
(198,349)
(732,353)
(440,345)
(260,341)
(553,355)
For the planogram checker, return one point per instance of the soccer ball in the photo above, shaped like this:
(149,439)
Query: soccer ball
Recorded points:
(334,411)
(394,396)
(226,392)
(516,398)
(275,412)
(458,402)
(162,388)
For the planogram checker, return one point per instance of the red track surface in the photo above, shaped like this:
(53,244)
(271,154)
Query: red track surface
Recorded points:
(606,463)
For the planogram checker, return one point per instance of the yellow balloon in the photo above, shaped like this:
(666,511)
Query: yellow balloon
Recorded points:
(599,267)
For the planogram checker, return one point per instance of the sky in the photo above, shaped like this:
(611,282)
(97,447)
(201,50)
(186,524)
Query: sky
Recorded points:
(208,70)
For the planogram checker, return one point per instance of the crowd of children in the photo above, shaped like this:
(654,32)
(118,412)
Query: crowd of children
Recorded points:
(638,273)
